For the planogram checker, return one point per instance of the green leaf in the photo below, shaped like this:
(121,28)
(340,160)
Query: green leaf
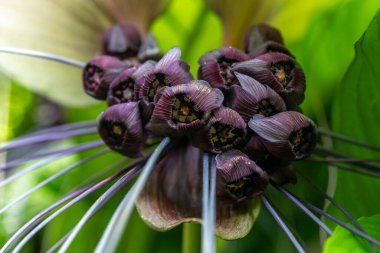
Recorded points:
(356,114)
(344,241)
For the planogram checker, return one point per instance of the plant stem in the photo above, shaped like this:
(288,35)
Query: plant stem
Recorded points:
(191,238)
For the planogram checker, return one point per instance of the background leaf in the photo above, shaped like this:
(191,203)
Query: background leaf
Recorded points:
(344,241)
(356,114)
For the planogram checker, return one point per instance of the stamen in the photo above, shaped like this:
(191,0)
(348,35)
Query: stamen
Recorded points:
(281,70)
(42,55)
(65,151)
(50,179)
(304,209)
(282,224)
(42,163)
(115,228)
(97,205)
(184,110)
(157,83)
(44,138)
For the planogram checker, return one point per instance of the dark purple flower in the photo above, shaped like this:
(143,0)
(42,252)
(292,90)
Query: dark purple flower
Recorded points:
(269,47)
(173,195)
(239,178)
(215,66)
(287,135)
(259,34)
(169,71)
(184,108)
(149,49)
(225,130)
(121,129)
(252,97)
(125,87)
(121,41)
(280,72)
(95,71)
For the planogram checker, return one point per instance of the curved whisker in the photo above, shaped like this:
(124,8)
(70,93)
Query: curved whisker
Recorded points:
(51,178)
(44,138)
(42,163)
(304,209)
(347,139)
(62,128)
(97,205)
(282,224)
(341,223)
(115,228)
(42,55)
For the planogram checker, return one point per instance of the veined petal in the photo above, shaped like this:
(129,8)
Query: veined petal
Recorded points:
(69,28)
(173,195)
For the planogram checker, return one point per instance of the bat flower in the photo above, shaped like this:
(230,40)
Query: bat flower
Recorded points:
(184,108)
(269,47)
(98,74)
(215,66)
(121,129)
(239,178)
(169,71)
(287,135)
(252,97)
(173,194)
(121,41)
(280,72)
(225,130)
(125,87)
(259,34)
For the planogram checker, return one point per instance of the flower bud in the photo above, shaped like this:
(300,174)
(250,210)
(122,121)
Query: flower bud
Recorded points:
(287,135)
(149,50)
(215,66)
(259,34)
(121,129)
(269,47)
(280,72)
(121,41)
(225,130)
(239,178)
(184,108)
(94,82)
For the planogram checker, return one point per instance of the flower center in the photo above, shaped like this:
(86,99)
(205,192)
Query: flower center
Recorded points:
(223,135)
(225,70)
(157,83)
(243,187)
(282,72)
(124,91)
(184,110)
(265,108)
(299,139)
(115,132)
(93,76)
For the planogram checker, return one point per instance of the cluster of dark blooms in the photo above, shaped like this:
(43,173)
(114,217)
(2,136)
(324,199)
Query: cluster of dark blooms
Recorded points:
(243,109)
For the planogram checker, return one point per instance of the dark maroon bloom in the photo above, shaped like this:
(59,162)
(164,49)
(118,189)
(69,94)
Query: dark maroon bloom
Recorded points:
(252,97)
(121,40)
(287,135)
(169,71)
(225,130)
(121,129)
(239,178)
(95,71)
(215,66)
(149,50)
(125,87)
(280,72)
(173,195)
(184,108)
(259,34)
(269,47)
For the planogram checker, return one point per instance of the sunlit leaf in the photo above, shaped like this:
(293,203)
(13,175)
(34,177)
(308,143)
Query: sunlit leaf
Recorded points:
(344,241)
(356,114)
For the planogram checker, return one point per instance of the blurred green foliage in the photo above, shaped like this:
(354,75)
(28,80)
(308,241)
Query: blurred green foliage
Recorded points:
(321,35)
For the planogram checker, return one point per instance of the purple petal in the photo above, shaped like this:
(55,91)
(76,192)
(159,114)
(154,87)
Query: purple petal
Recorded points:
(173,55)
(173,195)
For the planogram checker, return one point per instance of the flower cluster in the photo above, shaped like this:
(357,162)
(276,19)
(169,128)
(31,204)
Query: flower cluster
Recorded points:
(243,109)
